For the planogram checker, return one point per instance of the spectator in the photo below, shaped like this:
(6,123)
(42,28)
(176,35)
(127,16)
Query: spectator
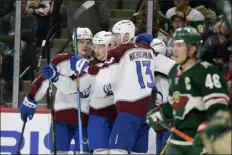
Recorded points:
(215,49)
(96,18)
(141,23)
(28,23)
(6,6)
(178,21)
(193,17)
(182,6)
(42,10)
(6,73)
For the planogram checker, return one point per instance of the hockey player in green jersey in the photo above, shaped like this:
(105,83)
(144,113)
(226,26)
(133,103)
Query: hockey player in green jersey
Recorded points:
(197,92)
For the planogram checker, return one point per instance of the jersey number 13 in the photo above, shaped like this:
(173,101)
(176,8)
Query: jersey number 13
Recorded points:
(140,65)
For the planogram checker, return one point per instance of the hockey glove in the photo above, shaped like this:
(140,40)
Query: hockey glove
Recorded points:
(50,73)
(85,93)
(78,63)
(107,88)
(153,119)
(198,142)
(27,108)
(144,37)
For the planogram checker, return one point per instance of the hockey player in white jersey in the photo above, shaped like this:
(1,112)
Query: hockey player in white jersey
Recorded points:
(102,112)
(162,85)
(66,118)
(128,73)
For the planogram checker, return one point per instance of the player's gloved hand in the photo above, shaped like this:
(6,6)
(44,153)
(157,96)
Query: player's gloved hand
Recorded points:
(78,63)
(27,108)
(50,73)
(144,37)
(85,93)
(107,88)
(198,141)
(154,117)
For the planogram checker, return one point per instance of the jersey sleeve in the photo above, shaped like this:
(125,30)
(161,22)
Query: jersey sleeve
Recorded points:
(163,64)
(214,90)
(38,88)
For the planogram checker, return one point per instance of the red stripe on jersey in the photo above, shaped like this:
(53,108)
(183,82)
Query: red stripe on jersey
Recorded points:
(214,98)
(61,57)
(138,108)
(35,86)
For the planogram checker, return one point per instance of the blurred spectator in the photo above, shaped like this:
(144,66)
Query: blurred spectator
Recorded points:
(42,10)
(6,73)
(6,6)
(216,47)
(141,23)
(96,18)
(135,16)
(194,18)
(28,23)
(178,21)
(182,6)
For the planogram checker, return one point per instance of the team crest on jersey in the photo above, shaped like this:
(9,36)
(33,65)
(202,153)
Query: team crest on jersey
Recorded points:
(178,100)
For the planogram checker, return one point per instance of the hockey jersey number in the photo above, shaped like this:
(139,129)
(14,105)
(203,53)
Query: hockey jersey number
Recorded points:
(147,66)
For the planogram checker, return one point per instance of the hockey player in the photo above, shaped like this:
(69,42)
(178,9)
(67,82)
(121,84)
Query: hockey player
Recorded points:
(197,91)
(162,85)
(129,75)
(66,118)
(102,110)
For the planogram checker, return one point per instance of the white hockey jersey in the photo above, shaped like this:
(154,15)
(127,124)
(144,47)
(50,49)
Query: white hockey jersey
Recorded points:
(65,98)
(130,71)
(191,15)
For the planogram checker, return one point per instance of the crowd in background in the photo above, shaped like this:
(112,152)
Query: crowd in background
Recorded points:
(38,16)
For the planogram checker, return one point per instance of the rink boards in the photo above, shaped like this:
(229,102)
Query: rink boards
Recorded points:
(35,139)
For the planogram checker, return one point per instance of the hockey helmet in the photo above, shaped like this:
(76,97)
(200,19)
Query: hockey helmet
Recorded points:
(124,26)
(83,33)
(158,46)
(103,38)
(189,35)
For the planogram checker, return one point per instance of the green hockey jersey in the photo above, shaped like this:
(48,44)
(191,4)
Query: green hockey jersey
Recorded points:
(194,96)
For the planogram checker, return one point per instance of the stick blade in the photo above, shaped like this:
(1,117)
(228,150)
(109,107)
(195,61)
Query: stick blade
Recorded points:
(88,4)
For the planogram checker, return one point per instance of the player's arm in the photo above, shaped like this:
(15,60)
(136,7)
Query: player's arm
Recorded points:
(214,92)
(39,87)
(163,64)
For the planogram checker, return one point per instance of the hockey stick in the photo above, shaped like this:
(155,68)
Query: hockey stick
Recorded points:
(21,138)
(77,14)
(177,132)
(165,146)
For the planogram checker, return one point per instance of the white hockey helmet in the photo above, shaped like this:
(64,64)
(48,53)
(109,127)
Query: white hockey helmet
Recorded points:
(83,33)
(159,46)
(103,38)
(124,26)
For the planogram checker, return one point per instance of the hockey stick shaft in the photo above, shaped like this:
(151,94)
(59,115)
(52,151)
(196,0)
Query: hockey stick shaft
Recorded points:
(78,96)
(178,132)
(21,138)
(50,96)
(77,14)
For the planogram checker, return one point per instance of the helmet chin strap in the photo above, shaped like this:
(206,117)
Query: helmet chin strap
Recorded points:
(122,39)
(105,57)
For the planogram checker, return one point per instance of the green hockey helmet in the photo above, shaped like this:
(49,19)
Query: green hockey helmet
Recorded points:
(189,35)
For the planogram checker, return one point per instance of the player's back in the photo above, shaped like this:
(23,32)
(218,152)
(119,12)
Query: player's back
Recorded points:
(133,78)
